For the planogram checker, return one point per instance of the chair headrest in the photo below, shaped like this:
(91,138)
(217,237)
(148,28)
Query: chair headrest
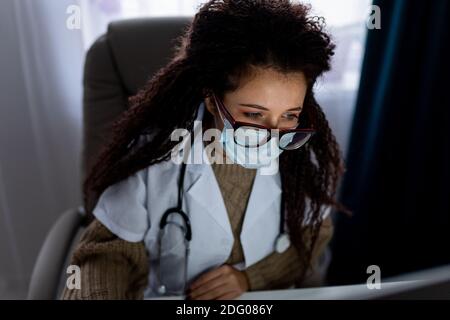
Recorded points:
(141,46)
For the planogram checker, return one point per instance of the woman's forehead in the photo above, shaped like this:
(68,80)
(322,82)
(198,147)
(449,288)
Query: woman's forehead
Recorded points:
(270,89)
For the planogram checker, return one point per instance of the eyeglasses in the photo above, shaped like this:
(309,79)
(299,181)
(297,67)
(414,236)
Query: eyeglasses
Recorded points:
(253,135)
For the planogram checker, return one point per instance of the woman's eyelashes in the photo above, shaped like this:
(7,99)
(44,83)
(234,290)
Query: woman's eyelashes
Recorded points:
(259,115)
(253,115)
(291,116)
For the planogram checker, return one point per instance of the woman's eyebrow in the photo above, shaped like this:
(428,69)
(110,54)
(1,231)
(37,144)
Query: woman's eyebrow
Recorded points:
(256,106)
(296,109)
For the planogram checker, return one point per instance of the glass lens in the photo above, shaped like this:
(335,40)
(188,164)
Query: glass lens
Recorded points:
(294,140)
(251,136)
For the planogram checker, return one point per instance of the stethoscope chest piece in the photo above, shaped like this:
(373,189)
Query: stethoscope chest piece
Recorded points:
(162,290)
(282,243)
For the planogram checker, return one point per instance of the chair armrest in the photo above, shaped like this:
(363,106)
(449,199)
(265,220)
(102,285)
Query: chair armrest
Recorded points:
(53,254)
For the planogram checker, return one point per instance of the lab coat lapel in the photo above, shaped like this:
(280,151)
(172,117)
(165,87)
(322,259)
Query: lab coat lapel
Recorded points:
(205,191)
(266,189)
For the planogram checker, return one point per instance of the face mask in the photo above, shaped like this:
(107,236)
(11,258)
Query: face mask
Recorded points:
(251,158)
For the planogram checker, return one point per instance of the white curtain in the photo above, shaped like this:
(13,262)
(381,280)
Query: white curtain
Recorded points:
(40,130)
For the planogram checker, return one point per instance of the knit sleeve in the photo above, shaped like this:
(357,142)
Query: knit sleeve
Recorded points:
(111,268)
(282,270)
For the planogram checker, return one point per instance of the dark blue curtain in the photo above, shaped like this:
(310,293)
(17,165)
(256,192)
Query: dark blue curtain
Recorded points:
(398,163)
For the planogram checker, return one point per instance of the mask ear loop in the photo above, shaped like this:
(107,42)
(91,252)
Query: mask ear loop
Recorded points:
(219,111)
(225,127)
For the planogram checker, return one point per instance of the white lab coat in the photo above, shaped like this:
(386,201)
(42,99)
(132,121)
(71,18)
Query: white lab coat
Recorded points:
(132,209)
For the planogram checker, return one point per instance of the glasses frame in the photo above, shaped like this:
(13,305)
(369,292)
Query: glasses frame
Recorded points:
(238,124)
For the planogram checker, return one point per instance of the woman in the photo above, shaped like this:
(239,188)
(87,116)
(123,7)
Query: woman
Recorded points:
(247,70)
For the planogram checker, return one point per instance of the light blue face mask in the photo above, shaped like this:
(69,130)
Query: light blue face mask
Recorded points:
(249,157)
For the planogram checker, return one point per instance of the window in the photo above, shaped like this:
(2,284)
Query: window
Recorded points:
(336,91)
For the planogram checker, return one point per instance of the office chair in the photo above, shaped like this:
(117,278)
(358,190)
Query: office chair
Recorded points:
(116,66)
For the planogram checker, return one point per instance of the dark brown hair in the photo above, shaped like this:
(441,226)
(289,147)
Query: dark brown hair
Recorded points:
(225,38)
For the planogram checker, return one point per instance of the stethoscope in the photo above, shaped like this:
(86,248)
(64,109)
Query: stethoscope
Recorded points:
(282,241)
(186,229)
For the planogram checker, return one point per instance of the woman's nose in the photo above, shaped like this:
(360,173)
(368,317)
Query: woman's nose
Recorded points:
(273,123)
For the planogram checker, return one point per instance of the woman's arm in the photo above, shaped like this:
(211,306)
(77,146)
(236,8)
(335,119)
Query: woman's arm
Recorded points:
(276,271)
(111,268)
(282,270)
